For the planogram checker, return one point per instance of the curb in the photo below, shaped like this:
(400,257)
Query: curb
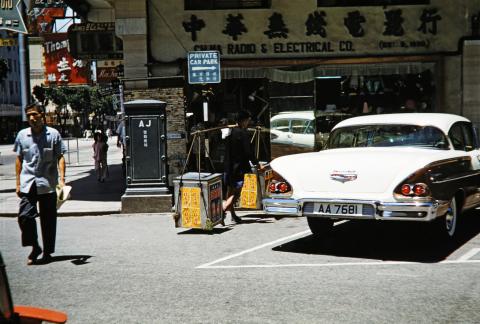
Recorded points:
(73,214)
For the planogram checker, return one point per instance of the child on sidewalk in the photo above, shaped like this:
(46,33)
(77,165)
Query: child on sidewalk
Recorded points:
(100,148)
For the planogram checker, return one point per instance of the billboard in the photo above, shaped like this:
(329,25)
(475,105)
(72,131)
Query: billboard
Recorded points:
(95,41)
(41,20)
(60,67)
(107,70)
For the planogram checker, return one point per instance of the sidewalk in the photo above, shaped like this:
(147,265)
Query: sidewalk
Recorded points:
(88,196)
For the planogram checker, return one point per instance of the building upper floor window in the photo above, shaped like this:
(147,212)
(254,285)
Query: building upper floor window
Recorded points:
(226,4)
(357,3)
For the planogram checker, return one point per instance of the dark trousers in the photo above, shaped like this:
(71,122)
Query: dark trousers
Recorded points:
(48,218)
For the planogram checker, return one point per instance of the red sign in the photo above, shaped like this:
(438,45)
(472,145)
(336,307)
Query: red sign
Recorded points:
(41,20)
(60,67)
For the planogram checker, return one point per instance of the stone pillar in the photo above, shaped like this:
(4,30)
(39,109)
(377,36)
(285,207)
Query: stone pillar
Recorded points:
(471,80)
(131,27)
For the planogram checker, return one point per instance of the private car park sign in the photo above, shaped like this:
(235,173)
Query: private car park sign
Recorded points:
(203,67)
(10,16)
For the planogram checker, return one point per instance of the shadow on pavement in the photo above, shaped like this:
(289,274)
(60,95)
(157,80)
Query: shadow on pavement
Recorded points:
(89,189)
(76,259)
(215,230)
(255,221)
(386,241)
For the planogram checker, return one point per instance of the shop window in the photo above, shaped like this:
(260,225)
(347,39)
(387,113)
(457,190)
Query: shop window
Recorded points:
(226,4)
(88,43)
(357,3)
(105,42)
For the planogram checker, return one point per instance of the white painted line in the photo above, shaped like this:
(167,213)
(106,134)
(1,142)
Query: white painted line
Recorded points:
(469,254)
(207,265)
(325,265)
(210,265)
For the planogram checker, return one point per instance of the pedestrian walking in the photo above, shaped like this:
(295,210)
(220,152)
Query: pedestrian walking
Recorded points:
(100,149)
(38,165)
(239,154)
(121,141)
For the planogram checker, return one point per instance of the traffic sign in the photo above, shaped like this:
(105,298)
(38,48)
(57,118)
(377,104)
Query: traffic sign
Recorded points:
(203,67)
(11,17)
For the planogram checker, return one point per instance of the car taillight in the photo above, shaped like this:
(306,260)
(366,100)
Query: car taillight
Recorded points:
(419,189)
(283,187)
(406,189)
(279,187)
(272,187)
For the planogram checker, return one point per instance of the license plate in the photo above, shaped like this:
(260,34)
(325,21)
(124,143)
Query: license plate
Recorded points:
(338,209)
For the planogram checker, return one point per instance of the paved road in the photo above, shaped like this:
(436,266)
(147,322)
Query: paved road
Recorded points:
(89,197)
(140,269)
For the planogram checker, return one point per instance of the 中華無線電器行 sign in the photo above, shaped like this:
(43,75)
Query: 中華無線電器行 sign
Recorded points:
(203,67)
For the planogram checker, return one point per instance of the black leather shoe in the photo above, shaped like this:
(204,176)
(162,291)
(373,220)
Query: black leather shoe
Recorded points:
(236,219)
(32,258)
(46,258)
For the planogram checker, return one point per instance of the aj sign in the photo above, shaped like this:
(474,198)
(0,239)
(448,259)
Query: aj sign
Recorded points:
(203,67)
(10,16)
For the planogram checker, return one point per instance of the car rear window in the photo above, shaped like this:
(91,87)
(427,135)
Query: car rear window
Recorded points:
(387,136)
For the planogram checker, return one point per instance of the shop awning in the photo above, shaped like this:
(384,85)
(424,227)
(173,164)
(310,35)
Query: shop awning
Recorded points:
(287,75)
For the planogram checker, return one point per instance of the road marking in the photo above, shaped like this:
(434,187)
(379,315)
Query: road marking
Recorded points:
(211,265)
(469,254)
(333,264)
(208,265)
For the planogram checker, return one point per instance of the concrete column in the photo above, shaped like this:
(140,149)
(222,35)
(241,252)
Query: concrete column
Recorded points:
(131,27)
(471,80)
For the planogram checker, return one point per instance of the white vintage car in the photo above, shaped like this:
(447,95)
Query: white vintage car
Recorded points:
(421,167)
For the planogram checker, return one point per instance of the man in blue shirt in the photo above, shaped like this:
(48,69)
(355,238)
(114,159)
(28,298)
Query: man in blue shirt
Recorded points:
(38,165)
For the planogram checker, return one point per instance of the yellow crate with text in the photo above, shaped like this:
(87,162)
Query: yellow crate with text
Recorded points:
(198,200)
(250,192)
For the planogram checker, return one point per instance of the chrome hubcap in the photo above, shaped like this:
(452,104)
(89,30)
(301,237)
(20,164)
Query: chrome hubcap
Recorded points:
(450,218)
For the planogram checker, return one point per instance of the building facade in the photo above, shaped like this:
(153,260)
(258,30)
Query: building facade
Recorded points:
(10,99)
(333,58)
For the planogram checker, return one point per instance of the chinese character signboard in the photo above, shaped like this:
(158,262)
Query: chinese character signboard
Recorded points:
(303,30)
(191,216)
(60,67)
(203,67)
(11,17)
(41,20)
(107,70)
(8,42)
(248,195)
(48,4)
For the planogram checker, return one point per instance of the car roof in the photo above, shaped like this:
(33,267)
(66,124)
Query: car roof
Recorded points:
(304,114)
(441,121)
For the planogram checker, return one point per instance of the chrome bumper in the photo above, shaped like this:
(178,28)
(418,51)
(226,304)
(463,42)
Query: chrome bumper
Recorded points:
(406,211)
